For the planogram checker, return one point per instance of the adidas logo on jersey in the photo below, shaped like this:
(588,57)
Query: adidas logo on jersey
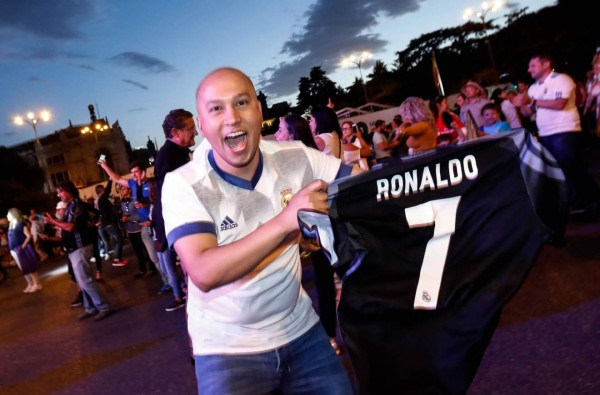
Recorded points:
(228,223)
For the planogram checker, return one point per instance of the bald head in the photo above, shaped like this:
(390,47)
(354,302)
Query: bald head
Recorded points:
(216,75)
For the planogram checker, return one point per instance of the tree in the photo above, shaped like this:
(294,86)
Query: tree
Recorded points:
(21,184)
(316,89)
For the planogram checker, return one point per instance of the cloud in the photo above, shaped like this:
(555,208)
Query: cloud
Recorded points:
(333,30)
(86,67)
(138,60)
(136,84)
(57,19)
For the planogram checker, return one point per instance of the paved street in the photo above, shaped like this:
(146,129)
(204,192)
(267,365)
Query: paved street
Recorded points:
(548,341)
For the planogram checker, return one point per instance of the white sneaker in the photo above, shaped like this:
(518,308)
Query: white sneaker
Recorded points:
(28,289)
(106,257)
(93,259)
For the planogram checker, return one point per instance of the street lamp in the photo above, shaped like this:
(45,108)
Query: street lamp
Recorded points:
(357,61)
(486,7)
(33,120)
(94,129)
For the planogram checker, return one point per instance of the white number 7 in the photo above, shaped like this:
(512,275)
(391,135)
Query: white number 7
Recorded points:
(441,213)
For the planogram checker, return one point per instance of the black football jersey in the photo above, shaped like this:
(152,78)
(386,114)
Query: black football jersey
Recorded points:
(432,248)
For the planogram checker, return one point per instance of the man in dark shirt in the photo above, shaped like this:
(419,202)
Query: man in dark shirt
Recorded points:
(110,222)
(77,237)
(180,131)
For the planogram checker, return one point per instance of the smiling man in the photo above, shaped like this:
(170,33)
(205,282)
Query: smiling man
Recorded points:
(231,214)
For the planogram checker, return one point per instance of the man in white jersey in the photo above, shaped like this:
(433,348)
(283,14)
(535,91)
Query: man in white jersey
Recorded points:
(552,99)
(231,214)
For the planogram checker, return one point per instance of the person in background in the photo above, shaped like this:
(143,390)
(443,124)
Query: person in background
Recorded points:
(552,99)
(418,126)
(37,228)
(476,99)
(508,111)
(355,149)
(447,122)
(109,221)
(592,102)
(492,124)
(383,144)
(293,127)
(180,135)
(19,237)
(461,99)
(135,224)
(140,186)
(326,130)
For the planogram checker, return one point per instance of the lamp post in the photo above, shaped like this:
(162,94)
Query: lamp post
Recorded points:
(94,129)
(486,7)
(357,61)
(33,120)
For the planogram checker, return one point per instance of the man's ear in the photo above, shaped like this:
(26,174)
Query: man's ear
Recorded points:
(173,133)
(199,126)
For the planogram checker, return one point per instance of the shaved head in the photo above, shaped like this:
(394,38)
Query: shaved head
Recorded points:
(221,72)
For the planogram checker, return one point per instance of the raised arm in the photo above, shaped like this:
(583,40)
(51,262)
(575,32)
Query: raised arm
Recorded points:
(113,176)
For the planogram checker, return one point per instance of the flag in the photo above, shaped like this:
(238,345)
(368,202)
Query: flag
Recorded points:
(471,126)
(437,78)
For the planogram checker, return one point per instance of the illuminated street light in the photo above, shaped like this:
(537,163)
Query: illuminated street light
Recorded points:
(486,7)
(95,128)
(33,120)
(357,61)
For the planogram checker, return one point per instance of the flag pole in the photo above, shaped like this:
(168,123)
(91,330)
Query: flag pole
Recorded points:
(437,78)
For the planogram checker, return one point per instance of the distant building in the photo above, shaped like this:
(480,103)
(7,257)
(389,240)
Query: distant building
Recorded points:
(69,154)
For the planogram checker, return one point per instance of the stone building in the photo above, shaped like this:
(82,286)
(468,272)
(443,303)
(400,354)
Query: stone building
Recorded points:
(72,153)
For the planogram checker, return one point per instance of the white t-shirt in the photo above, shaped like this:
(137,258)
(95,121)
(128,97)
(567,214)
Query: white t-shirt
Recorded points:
(332,143)
(549,122)
(268,307)
(380,153)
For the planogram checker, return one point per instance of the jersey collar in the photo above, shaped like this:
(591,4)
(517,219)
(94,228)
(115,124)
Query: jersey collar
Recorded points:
(234,180)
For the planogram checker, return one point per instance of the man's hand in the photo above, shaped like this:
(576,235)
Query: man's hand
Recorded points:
(312,197)
(48,219)
(330,103)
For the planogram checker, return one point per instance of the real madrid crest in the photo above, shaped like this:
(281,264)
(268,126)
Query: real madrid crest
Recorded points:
(286,196)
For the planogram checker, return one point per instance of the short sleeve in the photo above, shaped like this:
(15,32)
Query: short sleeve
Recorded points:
(183,212)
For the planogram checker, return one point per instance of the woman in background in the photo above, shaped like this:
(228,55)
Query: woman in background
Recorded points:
(19,237)
(355,149)
(418,126)
(326,129)
(446,121)
(294,127)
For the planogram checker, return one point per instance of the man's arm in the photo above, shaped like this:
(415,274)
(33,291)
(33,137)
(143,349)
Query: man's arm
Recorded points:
(210,266)
(113,176)
(68,226)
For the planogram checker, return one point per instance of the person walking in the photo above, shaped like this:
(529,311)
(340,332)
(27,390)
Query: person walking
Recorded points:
(19,239)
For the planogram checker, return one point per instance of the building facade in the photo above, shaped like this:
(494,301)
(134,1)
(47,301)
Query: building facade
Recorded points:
(71,154)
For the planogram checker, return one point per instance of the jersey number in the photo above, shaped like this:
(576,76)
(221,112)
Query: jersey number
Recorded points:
(442,214)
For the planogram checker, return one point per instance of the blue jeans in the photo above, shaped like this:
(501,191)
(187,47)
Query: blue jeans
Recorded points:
(149,244)
(565,147)
(114,231)
(92,297)
(169,269)
(307,365)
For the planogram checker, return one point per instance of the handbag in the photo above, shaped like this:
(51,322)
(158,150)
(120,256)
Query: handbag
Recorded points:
(28,260)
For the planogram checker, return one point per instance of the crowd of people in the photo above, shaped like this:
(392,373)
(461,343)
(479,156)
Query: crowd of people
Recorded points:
(229,215)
